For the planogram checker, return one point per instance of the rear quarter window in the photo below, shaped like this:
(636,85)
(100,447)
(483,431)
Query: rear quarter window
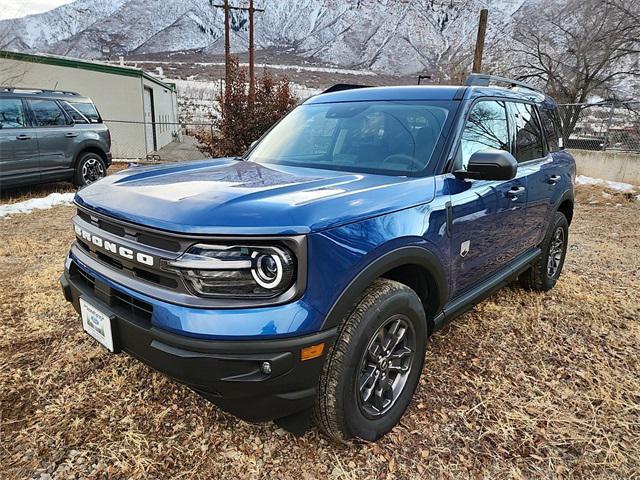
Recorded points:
(551,127)
(82,112)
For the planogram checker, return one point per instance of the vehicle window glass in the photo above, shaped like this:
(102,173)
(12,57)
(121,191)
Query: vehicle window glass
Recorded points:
(82,112)
(380,137)
(12,113)
(47,113)
(528,134)
(551,130)
(486,128)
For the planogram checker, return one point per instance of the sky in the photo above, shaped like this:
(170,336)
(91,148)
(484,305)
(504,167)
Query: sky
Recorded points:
(20,8)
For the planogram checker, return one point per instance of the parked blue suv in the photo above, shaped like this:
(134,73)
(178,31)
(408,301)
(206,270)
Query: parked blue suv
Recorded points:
(306,276)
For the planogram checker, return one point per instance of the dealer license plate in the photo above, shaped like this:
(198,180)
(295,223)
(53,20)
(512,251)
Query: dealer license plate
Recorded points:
(97,324)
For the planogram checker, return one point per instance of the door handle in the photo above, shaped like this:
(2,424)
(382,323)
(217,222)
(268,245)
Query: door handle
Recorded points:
(514,192)
(553,179)
(23,137)
(70,134)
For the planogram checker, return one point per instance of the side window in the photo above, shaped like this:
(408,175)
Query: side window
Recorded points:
(87,110)
(12,113)
(551,129)
(73,111)
(47,113)
(529,144)
(486,128)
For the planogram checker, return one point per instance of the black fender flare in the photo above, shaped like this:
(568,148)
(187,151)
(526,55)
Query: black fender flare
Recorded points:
(87,144)
(567,195)
(408,255)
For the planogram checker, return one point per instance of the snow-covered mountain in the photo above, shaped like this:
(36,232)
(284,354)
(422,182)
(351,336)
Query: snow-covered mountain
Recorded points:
(392,36)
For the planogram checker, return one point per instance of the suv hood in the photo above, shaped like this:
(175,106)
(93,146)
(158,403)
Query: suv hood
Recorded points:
(233,197)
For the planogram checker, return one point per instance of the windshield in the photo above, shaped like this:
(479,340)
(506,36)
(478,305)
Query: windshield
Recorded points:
(387,137)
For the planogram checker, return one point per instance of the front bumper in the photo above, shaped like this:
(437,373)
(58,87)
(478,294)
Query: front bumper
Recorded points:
(109,156)
(227,372)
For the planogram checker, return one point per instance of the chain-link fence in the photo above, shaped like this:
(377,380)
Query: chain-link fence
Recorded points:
(610,126)
(602,126)
(159,141)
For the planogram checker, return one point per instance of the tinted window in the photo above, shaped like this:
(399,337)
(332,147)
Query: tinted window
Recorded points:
(385,137)
(551,127)
(486,128)
(47,113)
(528,134)
(82,112)
(12,113)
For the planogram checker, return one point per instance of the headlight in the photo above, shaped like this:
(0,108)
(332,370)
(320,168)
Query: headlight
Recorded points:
(236,271)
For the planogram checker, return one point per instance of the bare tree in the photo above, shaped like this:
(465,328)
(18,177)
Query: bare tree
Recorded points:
(579,49)
(11,72)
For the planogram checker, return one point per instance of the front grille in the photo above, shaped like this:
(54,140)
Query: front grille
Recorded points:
(131,232)
(138,272)
(114,298)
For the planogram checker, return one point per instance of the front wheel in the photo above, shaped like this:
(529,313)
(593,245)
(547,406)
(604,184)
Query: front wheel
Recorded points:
(373,369)
(544,273)
(89,168)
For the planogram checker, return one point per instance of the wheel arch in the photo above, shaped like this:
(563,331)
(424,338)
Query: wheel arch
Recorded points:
(413,266)
(565,206)
(90,148)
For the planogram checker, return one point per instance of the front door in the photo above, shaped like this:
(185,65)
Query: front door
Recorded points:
(486,215)
(19,162)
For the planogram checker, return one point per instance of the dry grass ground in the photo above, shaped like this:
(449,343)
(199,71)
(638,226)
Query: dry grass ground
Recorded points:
(525,385)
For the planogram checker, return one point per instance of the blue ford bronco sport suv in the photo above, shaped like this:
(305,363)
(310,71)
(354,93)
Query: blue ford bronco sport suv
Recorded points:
(305,277)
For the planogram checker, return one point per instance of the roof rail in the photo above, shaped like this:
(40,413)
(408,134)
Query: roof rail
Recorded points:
(37,91)
(480,79)
(338,87)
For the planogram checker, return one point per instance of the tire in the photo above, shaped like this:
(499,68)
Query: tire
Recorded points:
(90,168)
(341,410)
(544,273)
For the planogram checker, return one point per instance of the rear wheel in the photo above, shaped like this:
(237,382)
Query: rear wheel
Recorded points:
(90,168)
(371,372)
(544,273)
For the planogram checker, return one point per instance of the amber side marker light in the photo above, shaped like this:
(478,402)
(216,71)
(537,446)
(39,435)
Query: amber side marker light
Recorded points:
(307,353)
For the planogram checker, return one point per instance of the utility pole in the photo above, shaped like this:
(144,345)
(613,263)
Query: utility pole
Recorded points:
(482,30)
(252,75)
(227,48)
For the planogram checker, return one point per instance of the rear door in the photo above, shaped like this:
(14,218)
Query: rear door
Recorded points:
(536,163)
(487,216)
(19,159)
(57,136)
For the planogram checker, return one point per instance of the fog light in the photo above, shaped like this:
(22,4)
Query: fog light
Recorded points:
(265,368)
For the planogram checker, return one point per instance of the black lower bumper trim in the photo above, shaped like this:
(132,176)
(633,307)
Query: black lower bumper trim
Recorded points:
(226,372)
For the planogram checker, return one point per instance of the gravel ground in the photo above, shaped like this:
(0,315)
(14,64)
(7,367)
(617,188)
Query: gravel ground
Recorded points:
(525,385)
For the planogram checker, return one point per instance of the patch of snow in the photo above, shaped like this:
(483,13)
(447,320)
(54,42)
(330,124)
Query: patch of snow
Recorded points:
(618,186)
(37,204)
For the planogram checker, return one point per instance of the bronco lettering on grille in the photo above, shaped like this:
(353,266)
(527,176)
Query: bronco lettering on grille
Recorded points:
(124,252)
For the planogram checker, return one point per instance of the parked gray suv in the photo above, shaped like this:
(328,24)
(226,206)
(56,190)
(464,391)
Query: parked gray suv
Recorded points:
(51,136)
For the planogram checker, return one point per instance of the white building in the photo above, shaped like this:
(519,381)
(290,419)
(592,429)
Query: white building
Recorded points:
(140,110)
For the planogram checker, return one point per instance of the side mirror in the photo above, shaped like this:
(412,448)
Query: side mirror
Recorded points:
(490,165)
(253,144)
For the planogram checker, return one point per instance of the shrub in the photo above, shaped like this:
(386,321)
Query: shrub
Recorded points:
(242,120)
